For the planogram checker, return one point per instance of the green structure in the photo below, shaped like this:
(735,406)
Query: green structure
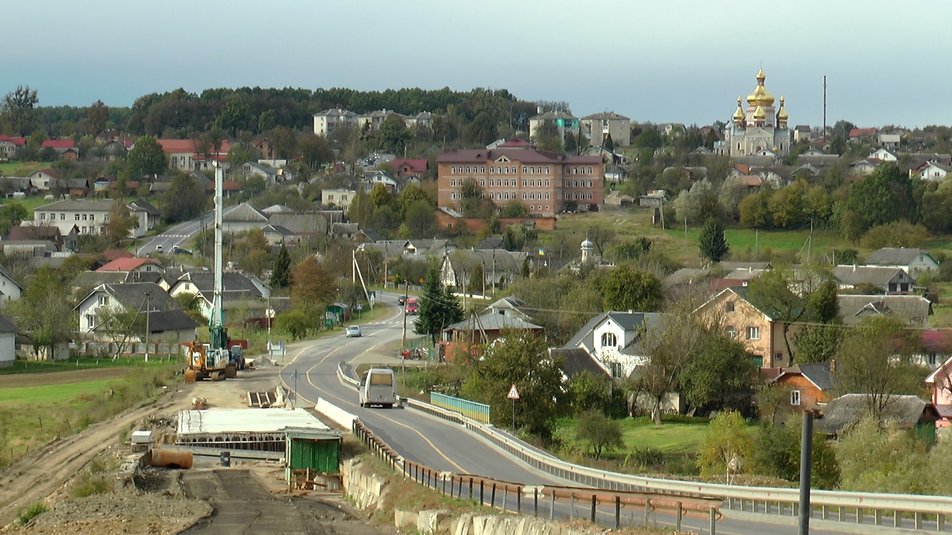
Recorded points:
(312,458)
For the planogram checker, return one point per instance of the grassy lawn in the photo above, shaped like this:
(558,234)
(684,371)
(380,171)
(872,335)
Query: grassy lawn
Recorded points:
(30,203)
(37,407)
(21,168)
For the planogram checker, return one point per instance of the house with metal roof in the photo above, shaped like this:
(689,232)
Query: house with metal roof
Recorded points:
(242,218)
(904,411)
(910,259)
(499,266)
(616,339)
(148,300)
(241,294)
(913,310)
(809,385)
(889,280)
(482,329)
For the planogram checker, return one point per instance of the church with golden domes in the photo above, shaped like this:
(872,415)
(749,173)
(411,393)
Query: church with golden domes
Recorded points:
(760,129)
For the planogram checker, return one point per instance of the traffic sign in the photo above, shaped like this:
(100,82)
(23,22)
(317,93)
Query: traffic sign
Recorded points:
(513,393)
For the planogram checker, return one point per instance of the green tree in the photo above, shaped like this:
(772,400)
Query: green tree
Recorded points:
(627,288)
(772,295)
(251,251)
(817,343)
(420,219)
(600,432)
(712,241)
(97,117)
(874,359)
(895,234)
(121,222)
(874,458)
(520,359)
(42,311)
(727,446)
(11,214)
(590,392)
(283,142)
(19,109)
(720,376)
(883,197)
(312,287)
(514,208)
(438,307)
(393,135)
(315,151)
(776,453)
(281,273)
(295,322)
(669,347)
(185,199)
(146,158)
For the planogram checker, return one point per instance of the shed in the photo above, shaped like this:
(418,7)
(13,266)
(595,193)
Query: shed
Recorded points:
(312,453)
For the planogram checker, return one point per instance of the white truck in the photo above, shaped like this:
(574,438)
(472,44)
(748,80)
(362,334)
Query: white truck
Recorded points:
(377,387)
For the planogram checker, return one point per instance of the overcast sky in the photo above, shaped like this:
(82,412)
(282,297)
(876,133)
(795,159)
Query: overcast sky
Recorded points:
(659,61)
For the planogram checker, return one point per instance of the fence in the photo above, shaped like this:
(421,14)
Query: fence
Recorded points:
(469,409)
(600,506)
(110,349)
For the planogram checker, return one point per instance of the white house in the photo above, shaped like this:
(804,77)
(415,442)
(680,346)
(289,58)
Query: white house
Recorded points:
(340,198)
(327,121)
(933,171)
(911,260)
(615,339)
(166,320)
(9,289)
(89,216)
(883,155)
(8,346)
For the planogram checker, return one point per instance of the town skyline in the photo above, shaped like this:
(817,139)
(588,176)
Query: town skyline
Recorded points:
(648,62)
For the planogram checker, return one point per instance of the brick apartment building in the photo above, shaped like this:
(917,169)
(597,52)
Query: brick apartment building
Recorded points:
(546,183)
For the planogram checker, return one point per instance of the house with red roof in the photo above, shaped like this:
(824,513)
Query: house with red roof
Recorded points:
(861,133)
(130,264)
(404,168)
(186,155)
(64,148)
(940,382)
(10,145)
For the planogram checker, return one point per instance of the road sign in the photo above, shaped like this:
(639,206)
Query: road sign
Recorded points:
(513,393)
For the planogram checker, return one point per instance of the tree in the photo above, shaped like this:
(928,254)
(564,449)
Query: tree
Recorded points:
(771,294)
(817,343)
(726,446)
(280,274)
(874,359)
(185,199)
(121,222)
(627,288)
(96,118)
(420,219)
(472,203)
(720,376)
(393,135)
(19,109)
(146,158)
(119,325)
(477,280)
(669,347)
(251,250)
(630,250)
(874,458)
(296,322)
(11,214)
(315,151)
(514,208)
(600,237)
(312,287)
(43,312)
(599,431)
(883,197)
(518,358)
(283,142)
(590,392)
(777,454)
(712,241)
(438,307)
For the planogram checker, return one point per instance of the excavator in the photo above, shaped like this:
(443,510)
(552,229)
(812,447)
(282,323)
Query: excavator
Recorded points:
(215,360)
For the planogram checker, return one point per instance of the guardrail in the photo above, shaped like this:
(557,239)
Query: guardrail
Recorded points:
(600,505)
(469,409)
(865,508)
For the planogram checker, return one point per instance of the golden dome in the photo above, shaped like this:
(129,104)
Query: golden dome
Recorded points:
(759,114)
(760,96)
(782,114)
(738,113)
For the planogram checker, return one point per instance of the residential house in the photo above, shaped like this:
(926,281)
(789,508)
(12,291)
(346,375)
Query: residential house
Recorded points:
(87,216)
(340,198)
(757,325)
(546,183)
(940,383)
(167,322)
(8,342)
(935,347)
(43,179)
(10,290)
(864,167)
(889,280)
(241,295)
(911,260)
(932,171)
(64,148)
(883,155)
(575,360)
(9,146)
(327,121)
(810,385)
(303,226)
(598,127)
(277,235)
(242,218)
(345,231)
(152,214)
(424,119)
(615,339)
(132,265)
(906,412)
(802,132)
(187,155)
(913,310)
(377,177)
(371,121)
(889,141)
(858,134)
(509,306)
(462,337)
(422,247)
(406,168)
(264,171)
(499,266)
(45,233)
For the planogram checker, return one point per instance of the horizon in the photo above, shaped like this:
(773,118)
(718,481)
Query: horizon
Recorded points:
(629,58)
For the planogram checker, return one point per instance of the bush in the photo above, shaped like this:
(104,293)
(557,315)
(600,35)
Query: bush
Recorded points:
(648,458)
(31,512)
(599,431)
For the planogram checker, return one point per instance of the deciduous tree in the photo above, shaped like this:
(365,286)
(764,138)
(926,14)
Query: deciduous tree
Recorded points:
(121,222)
(146,158)
(627,288)
(668,346)
(19,109)
(599,432)
(727,446)
(312,287)
(719,376)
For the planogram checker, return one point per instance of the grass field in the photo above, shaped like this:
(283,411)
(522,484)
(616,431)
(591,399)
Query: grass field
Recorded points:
(37,407)
(21,168)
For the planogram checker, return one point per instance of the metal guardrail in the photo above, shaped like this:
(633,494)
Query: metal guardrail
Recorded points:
(469,409)
(923,512)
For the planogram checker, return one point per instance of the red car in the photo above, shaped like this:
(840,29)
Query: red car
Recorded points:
(411,307)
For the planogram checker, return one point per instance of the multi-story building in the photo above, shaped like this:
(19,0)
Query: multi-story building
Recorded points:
(598,126)
(546,183)
(89,216)
(326,121)
(563,122)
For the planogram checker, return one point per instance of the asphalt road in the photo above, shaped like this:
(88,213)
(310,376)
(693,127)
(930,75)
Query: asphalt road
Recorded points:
(446,446)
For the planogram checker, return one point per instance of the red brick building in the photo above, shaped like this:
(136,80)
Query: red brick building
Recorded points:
(546,183)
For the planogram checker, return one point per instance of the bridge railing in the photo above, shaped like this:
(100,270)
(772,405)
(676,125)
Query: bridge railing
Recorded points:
(896,510)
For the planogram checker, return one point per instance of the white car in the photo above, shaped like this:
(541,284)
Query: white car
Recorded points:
(352,331)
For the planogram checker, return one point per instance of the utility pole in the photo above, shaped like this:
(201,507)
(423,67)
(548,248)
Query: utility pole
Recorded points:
(806,463)
(406,291)
(148,308)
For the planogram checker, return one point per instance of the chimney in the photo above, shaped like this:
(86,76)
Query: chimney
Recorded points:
(538,110)
(833,366)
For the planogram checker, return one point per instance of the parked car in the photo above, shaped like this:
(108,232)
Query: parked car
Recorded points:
(352,331)
(181,250)
(402,300)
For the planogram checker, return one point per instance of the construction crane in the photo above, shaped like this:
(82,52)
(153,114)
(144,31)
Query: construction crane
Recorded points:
(215,359)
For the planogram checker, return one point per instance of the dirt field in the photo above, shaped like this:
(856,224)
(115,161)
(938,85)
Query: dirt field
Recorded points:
(62,377)
(247,498)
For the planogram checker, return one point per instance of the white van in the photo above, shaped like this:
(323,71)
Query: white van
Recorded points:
(377,387)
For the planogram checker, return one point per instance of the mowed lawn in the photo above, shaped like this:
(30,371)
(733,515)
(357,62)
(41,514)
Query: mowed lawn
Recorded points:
(639,433)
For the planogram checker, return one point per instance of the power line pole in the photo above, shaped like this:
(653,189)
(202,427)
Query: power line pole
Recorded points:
(148,308)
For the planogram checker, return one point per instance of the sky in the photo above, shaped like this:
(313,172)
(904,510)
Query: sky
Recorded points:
(661,61)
